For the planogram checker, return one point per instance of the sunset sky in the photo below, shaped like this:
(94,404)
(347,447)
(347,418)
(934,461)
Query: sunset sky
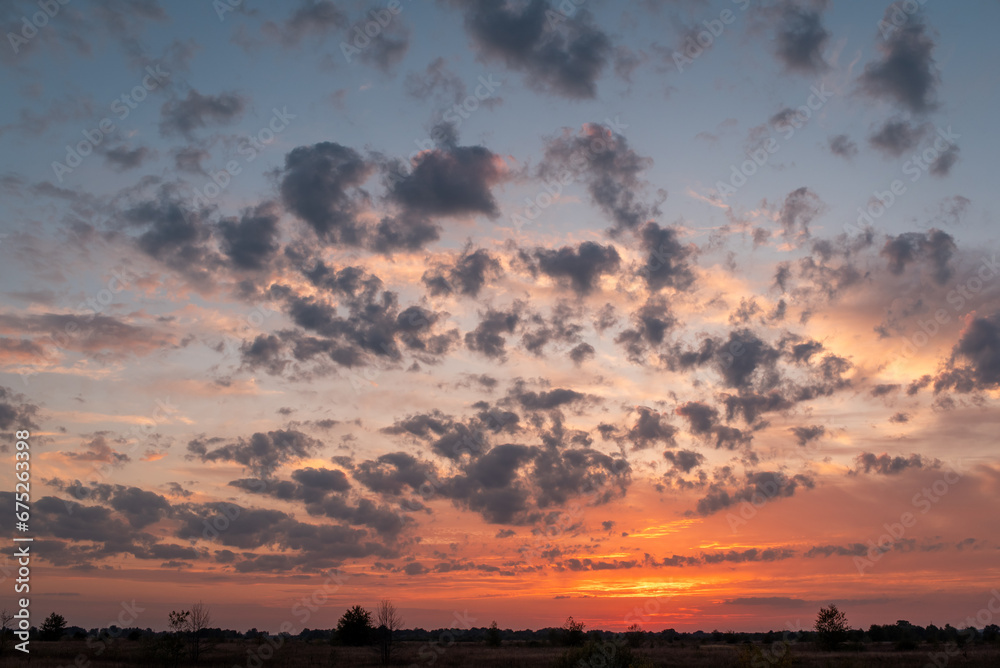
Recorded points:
(681,313)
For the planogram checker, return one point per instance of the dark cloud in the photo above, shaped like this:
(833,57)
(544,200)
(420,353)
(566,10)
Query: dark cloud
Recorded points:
(935,246)
(975,359)
(581,266)
(801,37)
(261,454)
(945,161)
(666,262)
(650,324)
(393,473)
(704,422)
(897,136)
(611,170)
(581,352)
(559,55)
(121,158)
(650,427)
(539,401)
(178,237)
(684,460)
(252,240)
(311,18)
(884,464)
(321,185)
(800,208)
(806,434)
(906,72)
(183,116)
(487,338)
(759,486)
(882,389)
(470,272)
(16,412)
(448,180)
(843,146)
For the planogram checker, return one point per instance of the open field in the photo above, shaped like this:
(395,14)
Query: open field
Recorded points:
(301,653)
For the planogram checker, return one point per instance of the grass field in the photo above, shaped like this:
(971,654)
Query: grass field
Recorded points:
(301,653)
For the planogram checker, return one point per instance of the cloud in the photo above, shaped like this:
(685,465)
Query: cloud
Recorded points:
(261,454)
(183,116)
(897,136)
(16,412)
(251,241)
(666,262)
(975,360)
(650,427)
(610,168)
(436,81)
(121,158)
(906,72)
(581,266)
(804,435)
(704,422)
(179,238)
(448,180)
(935,246)
(800,208)
(487,338)
(471,271)
(758,486)
(884,464)
(318,18)
(321,185)
(684,460)
(843,146)
(559,55)
(801,37)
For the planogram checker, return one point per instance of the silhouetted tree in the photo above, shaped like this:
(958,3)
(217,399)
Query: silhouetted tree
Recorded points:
(574,632)
(831,625)
(493,637)
(53,627)
(6,617)
(387,619)
(355,627)
(197,621)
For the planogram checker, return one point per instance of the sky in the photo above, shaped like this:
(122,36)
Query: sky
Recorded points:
(684,314)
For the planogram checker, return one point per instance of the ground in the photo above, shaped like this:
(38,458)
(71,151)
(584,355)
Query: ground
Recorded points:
(296,653)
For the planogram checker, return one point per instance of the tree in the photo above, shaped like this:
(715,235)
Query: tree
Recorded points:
(387,619)
(197,621)
(53,627)
(355,627)
(493,637)
(574,632)
(6,617)
(831,625)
